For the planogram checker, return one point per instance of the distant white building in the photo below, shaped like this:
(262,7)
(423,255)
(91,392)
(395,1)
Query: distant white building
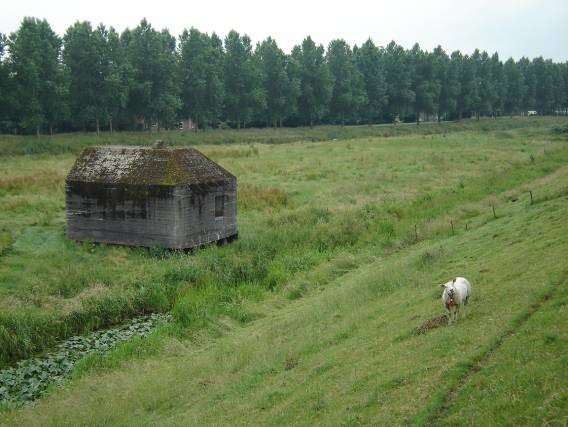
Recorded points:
(186,124)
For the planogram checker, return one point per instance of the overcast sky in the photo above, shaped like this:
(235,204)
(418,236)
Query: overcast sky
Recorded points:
(511,27)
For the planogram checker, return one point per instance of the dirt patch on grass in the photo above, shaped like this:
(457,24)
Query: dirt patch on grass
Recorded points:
(290,363)
(433,323)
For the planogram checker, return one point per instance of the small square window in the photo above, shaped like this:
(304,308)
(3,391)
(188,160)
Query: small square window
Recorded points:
(219,206)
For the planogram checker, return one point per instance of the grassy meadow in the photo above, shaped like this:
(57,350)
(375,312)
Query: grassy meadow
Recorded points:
(311,317)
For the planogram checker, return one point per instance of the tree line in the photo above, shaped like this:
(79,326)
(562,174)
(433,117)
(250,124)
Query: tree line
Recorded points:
(94,78)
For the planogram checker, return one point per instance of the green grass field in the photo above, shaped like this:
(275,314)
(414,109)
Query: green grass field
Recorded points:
(310,317)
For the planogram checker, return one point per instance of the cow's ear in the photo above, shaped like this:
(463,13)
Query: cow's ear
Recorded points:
(442,285)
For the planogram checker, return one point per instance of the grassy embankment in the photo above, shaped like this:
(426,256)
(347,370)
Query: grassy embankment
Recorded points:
(330,228)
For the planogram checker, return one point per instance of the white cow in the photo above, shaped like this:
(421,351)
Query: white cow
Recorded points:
(456,294)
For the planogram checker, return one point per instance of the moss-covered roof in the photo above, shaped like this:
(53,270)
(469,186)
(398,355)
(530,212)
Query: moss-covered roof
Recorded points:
(146,165)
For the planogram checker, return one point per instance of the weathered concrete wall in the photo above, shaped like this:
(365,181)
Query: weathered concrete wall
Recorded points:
(197,214)
(121,214)
(137,215)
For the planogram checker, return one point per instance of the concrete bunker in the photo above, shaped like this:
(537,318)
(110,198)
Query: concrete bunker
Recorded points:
(174,198)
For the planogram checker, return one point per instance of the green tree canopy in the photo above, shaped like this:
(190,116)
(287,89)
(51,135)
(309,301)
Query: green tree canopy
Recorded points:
(399,80)
(154,88)
(447,75)
(425,83)
(37,75)
(468,88)
(514,87)
(315,81)
(347,90)
(244,94)
(83,57)
(278,85)
(544,88)
(7,101)
(201,64)
(369,59)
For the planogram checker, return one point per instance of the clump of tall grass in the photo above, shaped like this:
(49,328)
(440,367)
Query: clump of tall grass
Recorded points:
(233,152)
(6,242)
(253,197)
(26,332)
(44,179)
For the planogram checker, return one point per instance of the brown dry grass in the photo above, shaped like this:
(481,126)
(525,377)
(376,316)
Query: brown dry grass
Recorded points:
(232,152)
(251,197)
(44,179)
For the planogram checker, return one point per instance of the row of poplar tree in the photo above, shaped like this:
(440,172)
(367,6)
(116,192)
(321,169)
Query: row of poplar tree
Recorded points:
(95,78)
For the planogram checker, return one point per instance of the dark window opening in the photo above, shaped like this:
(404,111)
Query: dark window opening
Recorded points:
(219,206)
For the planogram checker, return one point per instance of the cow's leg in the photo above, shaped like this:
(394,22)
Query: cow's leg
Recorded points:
(449,314)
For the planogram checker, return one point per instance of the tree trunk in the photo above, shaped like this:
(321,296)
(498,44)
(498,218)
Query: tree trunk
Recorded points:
(50,129)
(37,131)
(110,125)
(98,127)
